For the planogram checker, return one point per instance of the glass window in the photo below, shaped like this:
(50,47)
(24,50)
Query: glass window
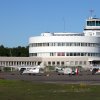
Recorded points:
(56,44)
(75,54)
(71,54)
(34,54)
(67,54)
(90,23)
(84,62)
(63,54)
(49,63)
(67,44)
(58,63)
(51,54)
(82,54)
(78,54)
(71,62)
(60,54)
(53,63)
(80,62)
(62,63)
(63,44)
(78,44)
(59,44)
(97,23)
(76,62)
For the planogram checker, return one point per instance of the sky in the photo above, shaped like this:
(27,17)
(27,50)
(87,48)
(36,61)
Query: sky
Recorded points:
(22,19)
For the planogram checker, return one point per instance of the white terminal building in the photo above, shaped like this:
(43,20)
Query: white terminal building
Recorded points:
(69,49)
(62,49)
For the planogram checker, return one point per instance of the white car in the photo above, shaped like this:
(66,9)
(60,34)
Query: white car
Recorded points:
(65,71)
(31,70)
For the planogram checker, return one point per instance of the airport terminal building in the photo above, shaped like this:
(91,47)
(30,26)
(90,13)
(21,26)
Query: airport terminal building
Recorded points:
(63,49)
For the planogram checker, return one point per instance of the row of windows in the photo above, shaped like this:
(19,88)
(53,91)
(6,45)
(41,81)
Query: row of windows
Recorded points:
(66,54)
(74,54)
(18,63)
(64,44)
(69,34)
(62,63)
(93,23)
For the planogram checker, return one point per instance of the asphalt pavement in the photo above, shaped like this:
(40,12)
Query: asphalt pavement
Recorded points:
(83,77)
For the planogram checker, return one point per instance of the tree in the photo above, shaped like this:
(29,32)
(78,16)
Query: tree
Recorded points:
(15,52)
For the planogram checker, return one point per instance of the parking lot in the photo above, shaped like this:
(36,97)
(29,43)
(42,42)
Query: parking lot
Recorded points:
(53,77)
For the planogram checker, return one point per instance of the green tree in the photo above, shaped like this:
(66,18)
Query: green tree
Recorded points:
(14,52)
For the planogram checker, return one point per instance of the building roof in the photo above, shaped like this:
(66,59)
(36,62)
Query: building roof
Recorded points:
(20,59)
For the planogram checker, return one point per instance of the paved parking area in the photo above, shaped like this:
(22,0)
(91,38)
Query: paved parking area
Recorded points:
(83,77)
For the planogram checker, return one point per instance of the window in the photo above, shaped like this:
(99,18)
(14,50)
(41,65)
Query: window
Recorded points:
(71,54)
(67,54)
(80,62)
(84,62)
(75,54)
(59,44)
(62,63)
(63,44)
(97,23)
(90,23)
(82,54)
(60,54)
(58,63)
(51,54)
(78,54)
(33,54)
(53,63)
(76,62)
(49,63)
(71,62)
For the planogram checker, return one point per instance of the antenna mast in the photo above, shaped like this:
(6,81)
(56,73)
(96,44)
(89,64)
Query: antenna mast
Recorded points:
(91,12)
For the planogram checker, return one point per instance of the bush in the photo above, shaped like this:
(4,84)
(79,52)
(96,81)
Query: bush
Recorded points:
(7,69)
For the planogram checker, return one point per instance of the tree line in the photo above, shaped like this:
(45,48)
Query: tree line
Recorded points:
(14,52)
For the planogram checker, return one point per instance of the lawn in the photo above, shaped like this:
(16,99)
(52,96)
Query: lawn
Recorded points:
(25,90)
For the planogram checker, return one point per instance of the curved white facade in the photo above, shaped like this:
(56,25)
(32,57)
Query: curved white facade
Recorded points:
(64,44)
(68,45)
